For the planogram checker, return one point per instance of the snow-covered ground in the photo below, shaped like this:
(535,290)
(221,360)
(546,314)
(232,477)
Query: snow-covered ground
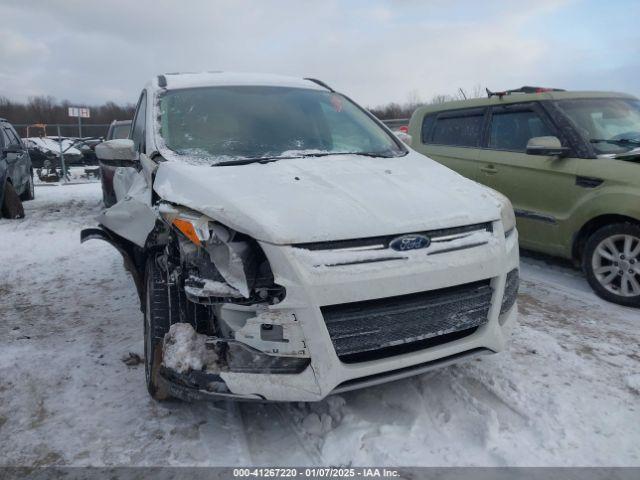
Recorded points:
(566,393)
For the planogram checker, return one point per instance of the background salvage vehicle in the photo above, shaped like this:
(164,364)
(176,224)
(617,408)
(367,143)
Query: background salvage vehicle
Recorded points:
(569,162)
(16,174)
(117,129)
(286,245)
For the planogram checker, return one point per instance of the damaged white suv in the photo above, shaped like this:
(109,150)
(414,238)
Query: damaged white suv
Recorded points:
(286,245)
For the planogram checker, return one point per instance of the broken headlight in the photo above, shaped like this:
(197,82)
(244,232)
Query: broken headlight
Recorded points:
(219,264)
(192,225)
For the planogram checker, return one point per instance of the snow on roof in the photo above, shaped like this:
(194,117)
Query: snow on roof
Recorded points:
(208,79)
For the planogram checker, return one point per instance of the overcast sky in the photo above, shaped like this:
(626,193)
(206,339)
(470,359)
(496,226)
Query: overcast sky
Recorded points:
(375,51)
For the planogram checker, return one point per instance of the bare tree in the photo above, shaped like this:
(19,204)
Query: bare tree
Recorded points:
(46,110)
(397,111)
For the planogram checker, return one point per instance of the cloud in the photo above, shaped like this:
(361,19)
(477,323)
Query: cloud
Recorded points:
(374,51)
(15,47)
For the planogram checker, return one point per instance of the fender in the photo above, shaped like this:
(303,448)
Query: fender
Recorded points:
(133,257)
(3,181)
(614,200)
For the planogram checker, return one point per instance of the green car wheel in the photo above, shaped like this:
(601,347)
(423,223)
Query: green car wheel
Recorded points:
(612,263)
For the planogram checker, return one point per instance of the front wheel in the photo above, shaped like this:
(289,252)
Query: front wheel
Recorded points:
(612,263)
(157,320)
(11,204)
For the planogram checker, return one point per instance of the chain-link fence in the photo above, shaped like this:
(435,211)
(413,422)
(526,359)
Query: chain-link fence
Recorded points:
(65,130)
(396,123)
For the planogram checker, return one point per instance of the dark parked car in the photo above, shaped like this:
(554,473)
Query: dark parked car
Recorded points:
(117,129)
(16,173)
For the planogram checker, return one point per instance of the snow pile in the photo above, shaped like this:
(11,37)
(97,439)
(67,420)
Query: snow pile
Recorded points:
(633,382)
(323,416)
(185,349)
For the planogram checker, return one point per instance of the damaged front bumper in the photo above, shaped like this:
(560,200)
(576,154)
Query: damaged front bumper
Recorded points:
(199,386)
(195,386)
(316,289)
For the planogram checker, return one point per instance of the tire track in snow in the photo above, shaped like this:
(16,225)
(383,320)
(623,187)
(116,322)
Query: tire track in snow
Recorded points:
(274,436)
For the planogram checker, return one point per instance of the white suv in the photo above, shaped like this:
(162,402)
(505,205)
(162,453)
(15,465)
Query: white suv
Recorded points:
(287,246)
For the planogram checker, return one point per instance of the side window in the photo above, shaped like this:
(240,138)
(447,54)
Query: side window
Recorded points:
(511,130)
(427,125)
(7,137)
(13,136)
(461,128)
(4,140)
(138,126)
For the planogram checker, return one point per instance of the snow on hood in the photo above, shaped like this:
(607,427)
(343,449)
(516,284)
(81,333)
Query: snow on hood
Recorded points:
(46,144)
(329,198)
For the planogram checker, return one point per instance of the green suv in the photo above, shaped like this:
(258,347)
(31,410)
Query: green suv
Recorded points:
(568,161)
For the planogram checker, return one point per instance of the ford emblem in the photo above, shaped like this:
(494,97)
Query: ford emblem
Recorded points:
(409,242)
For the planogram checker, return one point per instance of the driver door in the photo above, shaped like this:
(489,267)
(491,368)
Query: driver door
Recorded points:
(11,158)
(21,165)
(542,189)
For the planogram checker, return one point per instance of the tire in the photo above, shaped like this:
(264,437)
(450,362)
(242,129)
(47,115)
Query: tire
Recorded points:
(11,204)
(612,263)
(108,200)
(30,192)
(160,299)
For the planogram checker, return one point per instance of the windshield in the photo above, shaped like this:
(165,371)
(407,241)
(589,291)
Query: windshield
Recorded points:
(222,124)
(612,125)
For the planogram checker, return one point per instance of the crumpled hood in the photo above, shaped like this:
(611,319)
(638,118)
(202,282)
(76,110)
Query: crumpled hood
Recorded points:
(329,198)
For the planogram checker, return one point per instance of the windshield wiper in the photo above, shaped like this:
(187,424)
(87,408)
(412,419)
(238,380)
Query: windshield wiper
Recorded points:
(363,154)
(247,161)
(618,141)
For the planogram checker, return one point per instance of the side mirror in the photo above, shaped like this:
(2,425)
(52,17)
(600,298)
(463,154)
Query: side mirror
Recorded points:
(547,147)
(119,149)
(405,137)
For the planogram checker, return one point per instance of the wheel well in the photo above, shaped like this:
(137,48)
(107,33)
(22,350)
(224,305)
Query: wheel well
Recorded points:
(591,226)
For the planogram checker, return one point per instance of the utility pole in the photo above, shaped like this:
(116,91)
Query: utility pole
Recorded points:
(62,164)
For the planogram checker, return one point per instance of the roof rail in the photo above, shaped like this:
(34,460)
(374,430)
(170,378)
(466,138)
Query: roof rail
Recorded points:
(321,83)
(524,89)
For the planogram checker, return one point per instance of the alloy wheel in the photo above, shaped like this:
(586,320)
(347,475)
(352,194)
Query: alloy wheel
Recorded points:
(616,264)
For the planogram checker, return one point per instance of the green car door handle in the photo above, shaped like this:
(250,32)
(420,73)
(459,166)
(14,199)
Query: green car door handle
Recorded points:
(490,169)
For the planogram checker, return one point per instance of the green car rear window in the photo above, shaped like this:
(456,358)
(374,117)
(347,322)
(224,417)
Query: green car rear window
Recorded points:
(459,128)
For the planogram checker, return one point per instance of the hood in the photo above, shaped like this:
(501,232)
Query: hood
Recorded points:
(329,198)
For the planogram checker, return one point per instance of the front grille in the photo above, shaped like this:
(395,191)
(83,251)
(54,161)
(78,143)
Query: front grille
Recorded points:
(380,328)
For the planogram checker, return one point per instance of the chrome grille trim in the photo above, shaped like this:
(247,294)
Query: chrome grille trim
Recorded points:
(382,242)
